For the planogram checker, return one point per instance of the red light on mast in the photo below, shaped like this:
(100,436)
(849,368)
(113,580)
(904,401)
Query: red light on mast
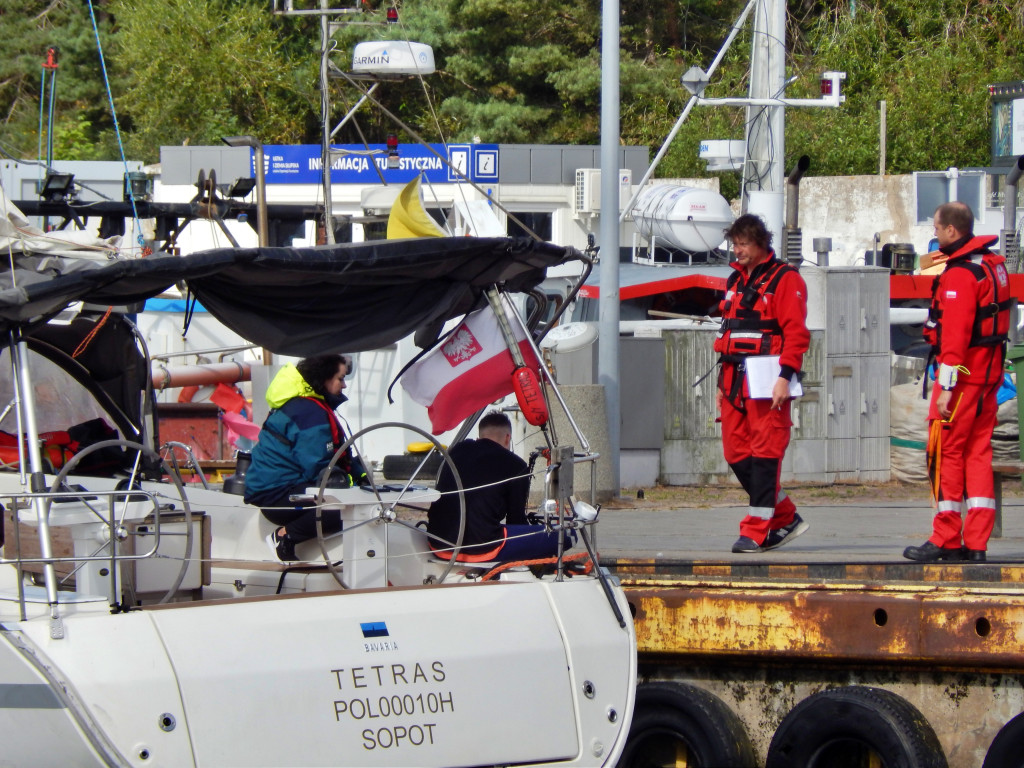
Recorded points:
(392,15)
(392,145)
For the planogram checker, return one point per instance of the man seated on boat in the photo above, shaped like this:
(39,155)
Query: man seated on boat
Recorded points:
(297,442)
(497,484)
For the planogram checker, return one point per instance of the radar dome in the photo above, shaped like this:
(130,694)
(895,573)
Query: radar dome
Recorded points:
(393,57)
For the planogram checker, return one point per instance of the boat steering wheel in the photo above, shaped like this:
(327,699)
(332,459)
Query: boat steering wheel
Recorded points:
(387,510)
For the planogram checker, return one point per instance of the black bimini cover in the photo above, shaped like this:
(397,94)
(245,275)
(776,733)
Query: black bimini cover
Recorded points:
(301,301)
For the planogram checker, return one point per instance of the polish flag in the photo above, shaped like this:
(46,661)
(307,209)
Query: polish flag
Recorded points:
(469,369)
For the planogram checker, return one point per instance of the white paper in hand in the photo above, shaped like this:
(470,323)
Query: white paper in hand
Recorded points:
(762,372)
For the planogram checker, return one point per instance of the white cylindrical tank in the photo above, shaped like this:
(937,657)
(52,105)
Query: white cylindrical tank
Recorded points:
(686,218)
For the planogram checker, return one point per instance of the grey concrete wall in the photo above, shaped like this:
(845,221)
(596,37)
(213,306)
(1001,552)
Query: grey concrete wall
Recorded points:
(852,209)
(586,403)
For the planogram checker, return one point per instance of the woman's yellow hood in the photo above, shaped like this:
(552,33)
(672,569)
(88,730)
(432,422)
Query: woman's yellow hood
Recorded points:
(288,383)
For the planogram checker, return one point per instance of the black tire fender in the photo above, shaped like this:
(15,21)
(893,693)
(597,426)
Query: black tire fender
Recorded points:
(1007,748)
(400,466)
(829,726)
(671,717)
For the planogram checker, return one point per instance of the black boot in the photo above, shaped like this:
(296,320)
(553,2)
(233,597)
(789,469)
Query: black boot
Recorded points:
(929,553)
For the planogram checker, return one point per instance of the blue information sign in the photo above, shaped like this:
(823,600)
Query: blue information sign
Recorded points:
(301,163)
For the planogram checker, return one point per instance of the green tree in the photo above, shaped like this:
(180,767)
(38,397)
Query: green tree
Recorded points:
(512,71)
(28,29)
(509,71)
(202,69)
(930,60)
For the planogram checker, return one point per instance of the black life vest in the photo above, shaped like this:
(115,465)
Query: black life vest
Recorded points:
(745,331)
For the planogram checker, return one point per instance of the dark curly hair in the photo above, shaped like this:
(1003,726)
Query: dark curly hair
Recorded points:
(318,370)
(752,228)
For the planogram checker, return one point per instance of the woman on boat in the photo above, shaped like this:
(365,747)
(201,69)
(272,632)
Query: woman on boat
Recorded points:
(297,441)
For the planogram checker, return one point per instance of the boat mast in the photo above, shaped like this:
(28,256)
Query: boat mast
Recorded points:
(327,27)
(763,172)
(763,187)
(325,120)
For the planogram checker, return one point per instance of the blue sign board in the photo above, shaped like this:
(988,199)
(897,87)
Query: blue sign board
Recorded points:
(301,163)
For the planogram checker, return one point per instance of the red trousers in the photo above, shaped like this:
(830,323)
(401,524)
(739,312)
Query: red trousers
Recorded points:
(754,441)
(963,459)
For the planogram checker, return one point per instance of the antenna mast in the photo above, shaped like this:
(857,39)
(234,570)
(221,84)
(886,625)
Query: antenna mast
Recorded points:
(763,171)
(326,13)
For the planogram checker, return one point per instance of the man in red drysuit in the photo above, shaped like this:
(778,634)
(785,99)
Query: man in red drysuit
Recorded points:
(968,325)
(764,312)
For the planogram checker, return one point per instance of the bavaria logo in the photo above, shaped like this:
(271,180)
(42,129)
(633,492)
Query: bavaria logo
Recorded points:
(374,629)
(461,347)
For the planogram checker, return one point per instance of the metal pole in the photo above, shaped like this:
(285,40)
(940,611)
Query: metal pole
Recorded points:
(608,339)
(881,137)
(348,116)
(261,198)
(37,483)
(766,146)
(325,115)
(49,119)
(793,191)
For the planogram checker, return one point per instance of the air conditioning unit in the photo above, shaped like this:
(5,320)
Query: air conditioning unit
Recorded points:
(587,198)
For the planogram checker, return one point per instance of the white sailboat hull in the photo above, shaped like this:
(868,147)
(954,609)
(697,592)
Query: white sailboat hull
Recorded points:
(460,675)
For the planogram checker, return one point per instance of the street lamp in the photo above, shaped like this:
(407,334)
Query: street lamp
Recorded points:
(261,184)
